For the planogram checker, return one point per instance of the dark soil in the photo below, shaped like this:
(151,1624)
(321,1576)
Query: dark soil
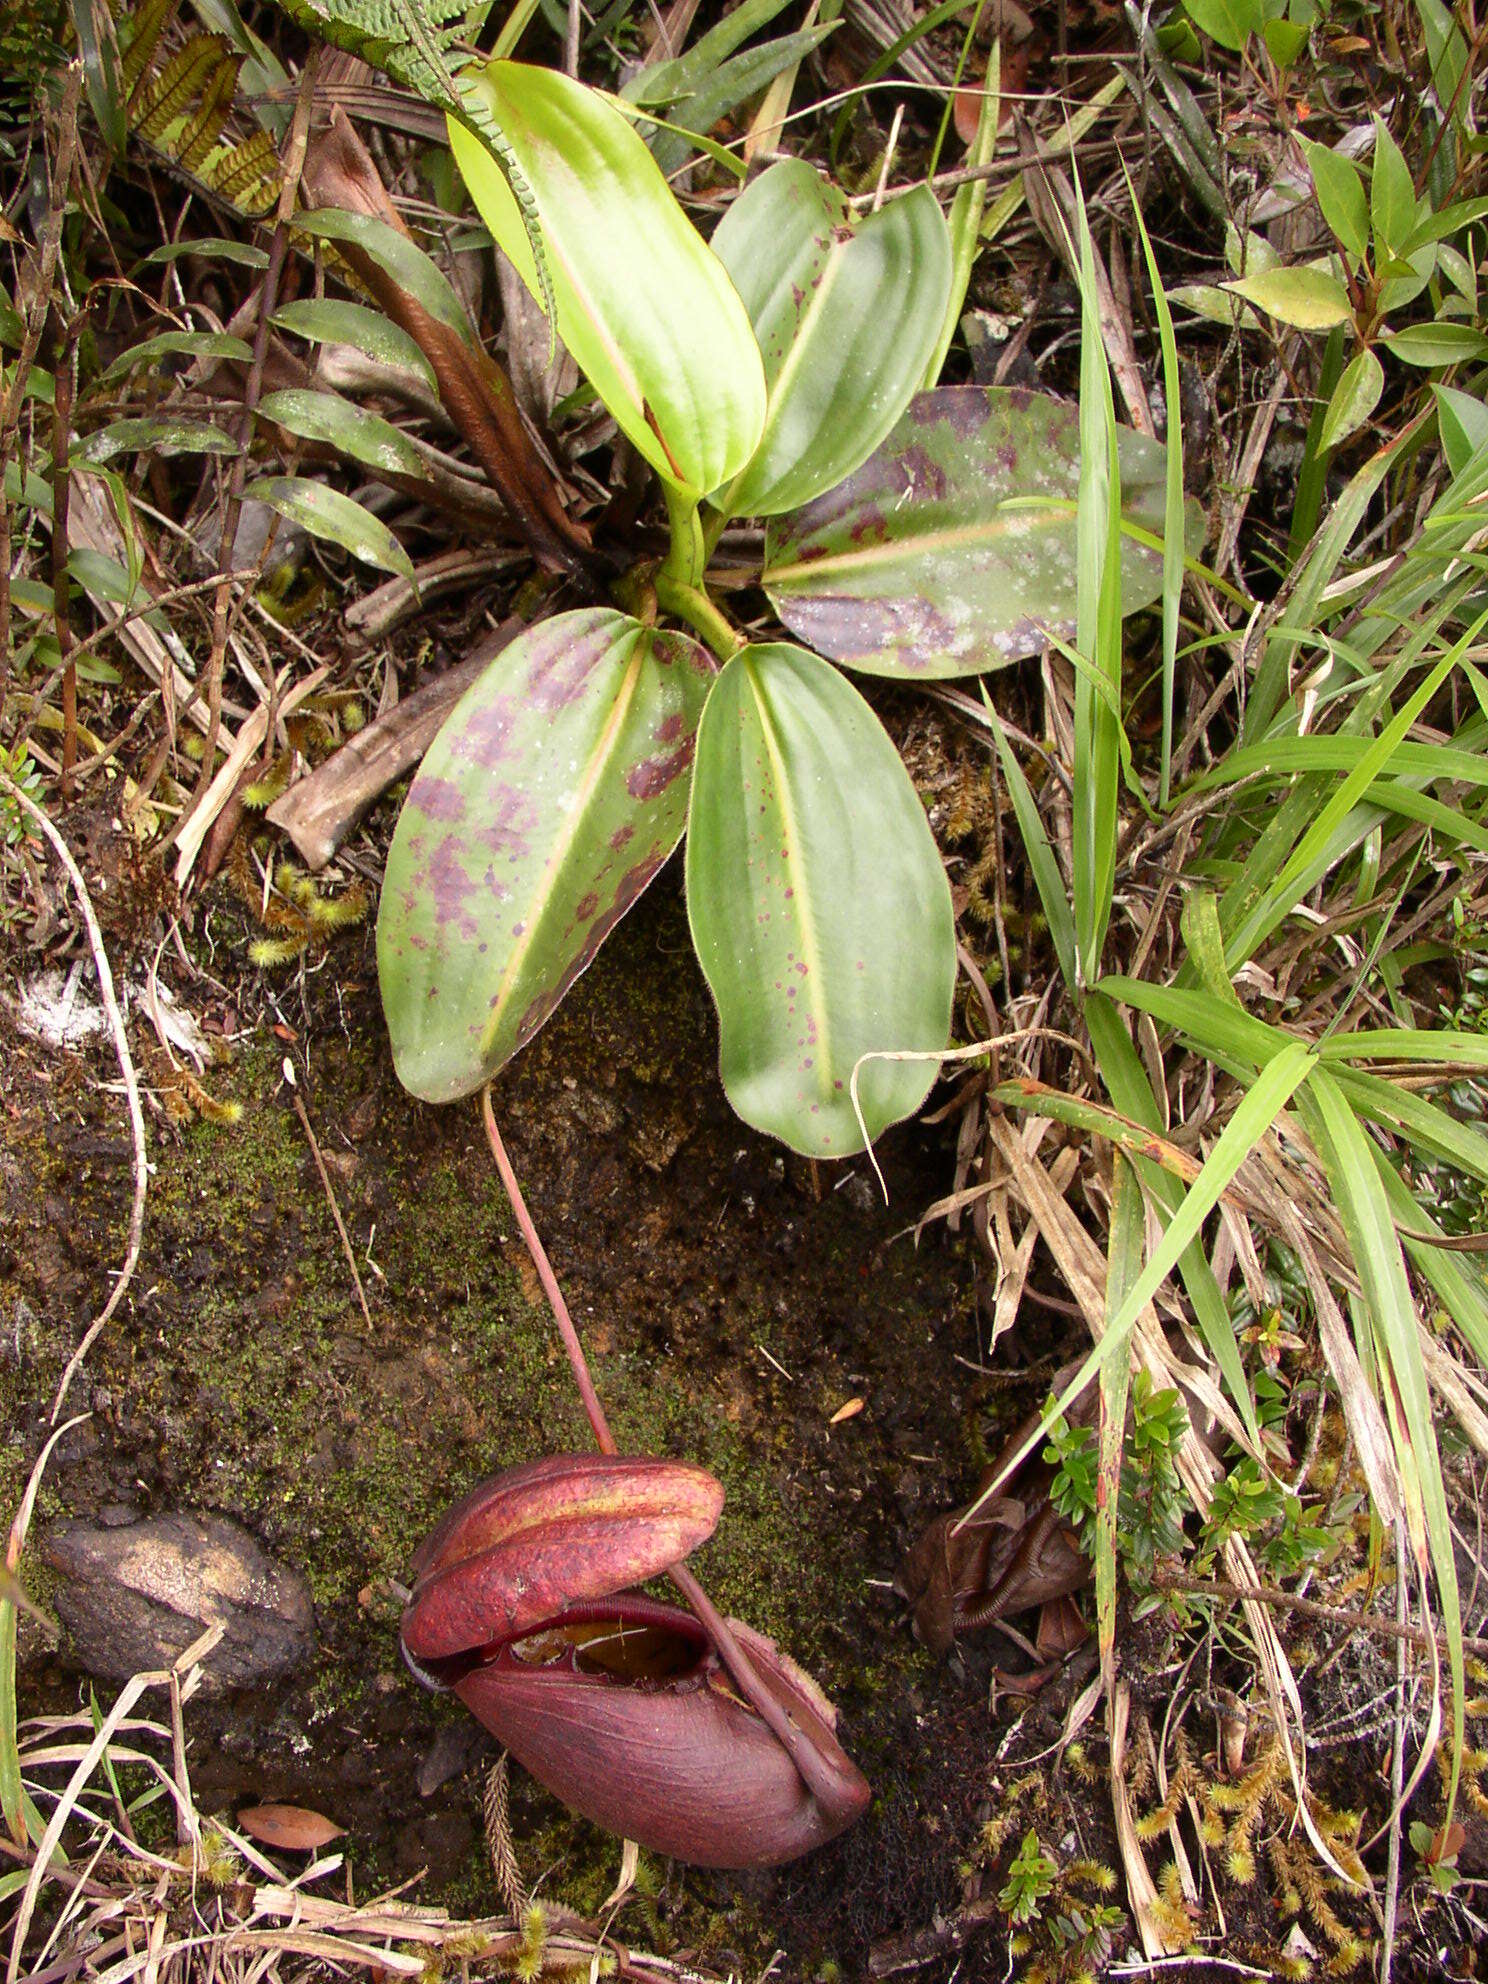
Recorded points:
(732,1297)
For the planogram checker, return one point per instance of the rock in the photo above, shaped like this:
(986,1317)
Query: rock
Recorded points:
(135,1597)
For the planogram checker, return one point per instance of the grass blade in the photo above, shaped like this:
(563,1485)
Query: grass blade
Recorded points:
(1130,1089)
(1124,1264)
(1053,896)
(1097,766)
(1258,1109)
(965,219)
(1173,542)
(1364,1208)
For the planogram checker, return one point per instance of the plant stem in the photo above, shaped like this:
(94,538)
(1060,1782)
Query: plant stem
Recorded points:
(692,604)
(815,1772)
(687,556)
(603,1438)
(679,583)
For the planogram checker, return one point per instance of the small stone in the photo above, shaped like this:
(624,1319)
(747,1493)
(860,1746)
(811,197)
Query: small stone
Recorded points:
(135,1597)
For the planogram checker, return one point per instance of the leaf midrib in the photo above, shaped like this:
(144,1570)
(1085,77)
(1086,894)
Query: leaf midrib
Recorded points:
(810,946)
(986,531)
(795,358)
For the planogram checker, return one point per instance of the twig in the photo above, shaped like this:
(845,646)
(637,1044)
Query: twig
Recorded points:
(126,1068)
(325,1179)
(1326,1615)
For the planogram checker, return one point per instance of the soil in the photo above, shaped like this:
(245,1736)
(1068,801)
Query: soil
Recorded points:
(732,1297)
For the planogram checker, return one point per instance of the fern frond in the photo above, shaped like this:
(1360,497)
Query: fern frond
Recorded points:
(169,92)
(248,174)
(413,41)
(149,23)
(204,127)
(477,114)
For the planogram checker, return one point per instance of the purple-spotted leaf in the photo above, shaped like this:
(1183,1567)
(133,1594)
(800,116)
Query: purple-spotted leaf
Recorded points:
(847,321)
(952,549)
(556,789)
(819,907)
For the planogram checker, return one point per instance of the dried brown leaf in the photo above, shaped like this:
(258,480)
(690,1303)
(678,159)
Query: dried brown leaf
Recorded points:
(290,1828)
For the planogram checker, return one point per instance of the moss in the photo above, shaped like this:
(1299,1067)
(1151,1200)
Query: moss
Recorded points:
(243,1378)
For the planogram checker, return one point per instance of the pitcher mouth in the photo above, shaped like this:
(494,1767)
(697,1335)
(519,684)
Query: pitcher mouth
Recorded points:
(628,1640)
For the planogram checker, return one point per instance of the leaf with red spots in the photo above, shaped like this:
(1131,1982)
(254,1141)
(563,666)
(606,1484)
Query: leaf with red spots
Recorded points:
(952,549)
(819,907)
(641,301)
(847,321)
(556,789)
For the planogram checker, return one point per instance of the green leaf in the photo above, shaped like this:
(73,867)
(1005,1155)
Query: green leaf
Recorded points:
(1419,1122)
(1128,1233)
(1463,420)
(327,514)
(682,75)
(168,344)
(1130,1088)
(1258,1108)
(967,205)
(1282,756)
(818,903)
(100,52)
(846,320)
(10,1763)
(642,303)
(1285,41)
(1229,22)
(1204,941)
(351,430)
(1354,398)
(731,84)
(1429,345)
(158,434)
(396,256)
(1392,192)
(552,795)
(213,248)
(1447,50)
(1173,506)
(1416,1044)
(952,549)
(1441,226)
(327,320)
(1308,299)
(1363,1206)
(1098,735)
(1404,280)
(1214,305)
(1053,895)
(1339,186)
(1219,1029)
